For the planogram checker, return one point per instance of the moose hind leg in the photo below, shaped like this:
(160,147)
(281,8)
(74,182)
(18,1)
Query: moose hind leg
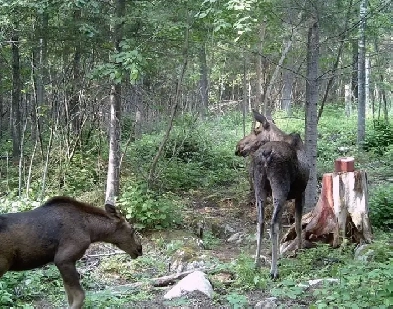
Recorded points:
(275,232)
(298,220)
(260,229)
(75,293)
(260,200)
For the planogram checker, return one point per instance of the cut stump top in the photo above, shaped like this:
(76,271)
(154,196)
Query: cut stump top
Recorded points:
(344,164)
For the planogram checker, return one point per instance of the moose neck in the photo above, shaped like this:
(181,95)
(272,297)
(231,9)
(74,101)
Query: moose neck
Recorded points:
(100,228)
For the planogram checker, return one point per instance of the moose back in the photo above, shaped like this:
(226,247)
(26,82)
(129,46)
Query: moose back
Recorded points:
(60,231)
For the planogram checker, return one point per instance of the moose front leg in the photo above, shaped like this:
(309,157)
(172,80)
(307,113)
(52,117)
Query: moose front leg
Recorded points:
(75,293)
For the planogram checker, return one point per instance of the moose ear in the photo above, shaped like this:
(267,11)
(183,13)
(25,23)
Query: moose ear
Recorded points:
(112,210)
(262,119)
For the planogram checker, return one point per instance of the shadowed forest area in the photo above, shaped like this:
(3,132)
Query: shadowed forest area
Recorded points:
(142,103)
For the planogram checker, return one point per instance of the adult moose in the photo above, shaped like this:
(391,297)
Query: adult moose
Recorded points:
(280,169)
(60,231)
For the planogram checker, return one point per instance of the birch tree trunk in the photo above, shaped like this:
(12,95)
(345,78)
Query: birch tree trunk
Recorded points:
(362,76)
(113,177)
(311,134)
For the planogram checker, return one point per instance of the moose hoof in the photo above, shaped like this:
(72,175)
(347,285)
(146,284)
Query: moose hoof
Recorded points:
(274,276)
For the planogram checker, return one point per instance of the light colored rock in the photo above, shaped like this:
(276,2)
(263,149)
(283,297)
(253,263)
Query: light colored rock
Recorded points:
(269,302)
(315,282)
(195,281)
(364,253)
(236,238)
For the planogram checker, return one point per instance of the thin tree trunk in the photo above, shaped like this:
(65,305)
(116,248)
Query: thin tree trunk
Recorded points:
(45,171)
(362,76)
(268,99)
(113,177)
(20,167)
(311,112)
(16,96)
(28,181)
(245,92)
(259,62)
(204,82)
(175,105)
(354,82)
(381,89)
(74,112)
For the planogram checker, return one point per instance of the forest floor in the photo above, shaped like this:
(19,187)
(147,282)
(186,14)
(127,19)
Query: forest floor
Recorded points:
(219,212)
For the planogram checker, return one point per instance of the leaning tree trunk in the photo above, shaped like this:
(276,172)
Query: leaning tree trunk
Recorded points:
(176,103)
(113,177)
(341,214)
(311,113)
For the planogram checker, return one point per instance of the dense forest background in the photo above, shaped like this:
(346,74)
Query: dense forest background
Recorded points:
(94,76)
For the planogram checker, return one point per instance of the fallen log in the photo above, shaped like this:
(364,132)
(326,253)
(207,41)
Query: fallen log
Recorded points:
(341,212)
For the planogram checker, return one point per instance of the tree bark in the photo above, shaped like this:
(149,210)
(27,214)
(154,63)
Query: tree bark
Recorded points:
(16,96)
(362,76)
(113,177)
(311,134)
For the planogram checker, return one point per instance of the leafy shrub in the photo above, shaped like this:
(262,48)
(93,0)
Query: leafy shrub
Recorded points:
(381,205)
(147,208)
(379,138)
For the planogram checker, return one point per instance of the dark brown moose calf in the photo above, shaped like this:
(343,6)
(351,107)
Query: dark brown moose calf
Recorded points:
(280,169)
(60,231)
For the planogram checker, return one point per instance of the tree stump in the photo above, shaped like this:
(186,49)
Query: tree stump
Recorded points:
(341,211)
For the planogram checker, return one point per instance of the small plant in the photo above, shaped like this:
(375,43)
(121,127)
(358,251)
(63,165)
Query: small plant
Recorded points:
(379,138)
(147,209)
(246,276)
(237,301)
(381,205)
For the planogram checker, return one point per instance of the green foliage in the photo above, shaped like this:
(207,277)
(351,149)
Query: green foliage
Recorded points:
(149,210)
(237,301)
(379,138)
(197,154)
(31,285)
(15,203)
(247,277)
(361,284)
(381,205)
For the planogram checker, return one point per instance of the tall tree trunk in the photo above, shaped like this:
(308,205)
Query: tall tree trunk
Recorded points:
(113,177)
(74,111)
(40,63)
(354,81)
(286,99)
(381,88)
(16,96)
(203,82)
(362,76)
(311,112)
(259,63)
(268,100)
